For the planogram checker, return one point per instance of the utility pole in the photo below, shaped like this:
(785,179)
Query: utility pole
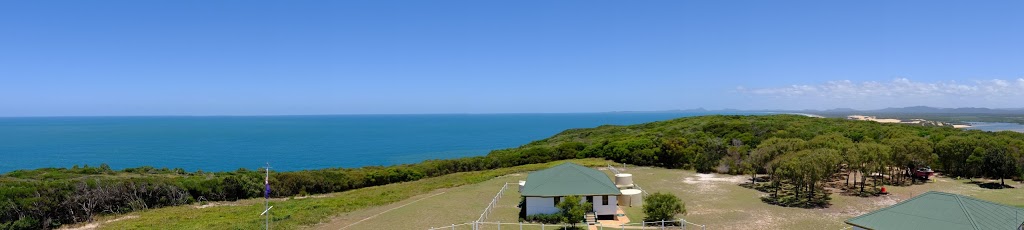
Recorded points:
(266,198)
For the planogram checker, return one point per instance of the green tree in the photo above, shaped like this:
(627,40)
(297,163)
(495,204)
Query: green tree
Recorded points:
(871,158)
(953,153)
(662,206)
(909,153)
(574,209)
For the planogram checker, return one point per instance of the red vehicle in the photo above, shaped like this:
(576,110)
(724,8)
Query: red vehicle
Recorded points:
(924,173)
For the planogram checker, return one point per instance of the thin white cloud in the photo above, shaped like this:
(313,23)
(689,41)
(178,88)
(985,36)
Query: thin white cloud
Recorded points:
(900,87)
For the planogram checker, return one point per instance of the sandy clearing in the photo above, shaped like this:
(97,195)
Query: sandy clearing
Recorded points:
(95,225)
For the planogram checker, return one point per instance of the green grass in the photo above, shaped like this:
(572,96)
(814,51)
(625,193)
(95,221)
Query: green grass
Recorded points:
(716,201)
(294,213)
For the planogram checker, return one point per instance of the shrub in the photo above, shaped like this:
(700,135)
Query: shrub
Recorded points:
(553,218)
(662,206)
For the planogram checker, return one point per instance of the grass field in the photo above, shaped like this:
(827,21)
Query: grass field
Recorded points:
(296,213)
(714,200)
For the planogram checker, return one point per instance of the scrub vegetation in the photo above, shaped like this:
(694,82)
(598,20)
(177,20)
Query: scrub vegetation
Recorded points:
(798,155)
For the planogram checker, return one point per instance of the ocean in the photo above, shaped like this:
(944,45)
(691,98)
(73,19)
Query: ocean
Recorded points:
(227,143)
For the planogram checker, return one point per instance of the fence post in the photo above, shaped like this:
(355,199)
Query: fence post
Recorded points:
(702,227)
(520,225)
(453,226)
(499,225)
(662,224)
(541,226)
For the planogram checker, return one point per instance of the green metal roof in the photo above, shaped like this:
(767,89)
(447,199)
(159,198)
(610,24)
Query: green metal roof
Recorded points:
(939,210)
(568,179)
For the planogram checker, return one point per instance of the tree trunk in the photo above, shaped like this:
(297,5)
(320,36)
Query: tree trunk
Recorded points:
(862,180)
(798,188)
(848,175)
(811,194)
(776,185)
(855,179)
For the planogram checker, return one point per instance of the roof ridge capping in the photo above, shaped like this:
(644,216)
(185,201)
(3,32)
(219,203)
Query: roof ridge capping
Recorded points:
(581,168)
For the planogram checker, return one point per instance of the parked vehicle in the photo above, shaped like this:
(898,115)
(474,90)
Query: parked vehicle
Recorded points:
(924,173)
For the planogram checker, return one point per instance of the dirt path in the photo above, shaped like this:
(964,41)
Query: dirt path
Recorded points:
(96,224)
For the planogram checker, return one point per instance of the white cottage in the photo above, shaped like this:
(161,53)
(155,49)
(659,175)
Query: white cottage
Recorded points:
(545,188)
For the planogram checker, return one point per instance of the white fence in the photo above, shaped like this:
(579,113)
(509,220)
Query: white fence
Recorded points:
(481,224)
(490,207)
(650,225)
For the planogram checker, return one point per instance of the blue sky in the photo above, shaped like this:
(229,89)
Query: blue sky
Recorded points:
(66,58)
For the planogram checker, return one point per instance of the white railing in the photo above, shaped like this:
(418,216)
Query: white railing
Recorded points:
(616,171)
(651,225)
(494,203)
(509,225)
(664,224)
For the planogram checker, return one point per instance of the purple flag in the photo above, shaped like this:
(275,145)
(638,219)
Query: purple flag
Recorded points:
(266,189)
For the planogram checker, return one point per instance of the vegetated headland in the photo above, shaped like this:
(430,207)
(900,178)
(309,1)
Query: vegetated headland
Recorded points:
(799,154)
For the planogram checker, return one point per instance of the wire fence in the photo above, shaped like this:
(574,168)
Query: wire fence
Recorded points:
(490,207)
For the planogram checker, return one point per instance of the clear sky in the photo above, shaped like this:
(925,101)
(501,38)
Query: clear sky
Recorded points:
(66,58)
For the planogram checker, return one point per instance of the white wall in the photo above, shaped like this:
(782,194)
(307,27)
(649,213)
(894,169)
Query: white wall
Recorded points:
(605,209)
(546,205)
(539,205)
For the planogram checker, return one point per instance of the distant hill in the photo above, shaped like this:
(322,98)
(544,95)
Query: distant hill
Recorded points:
(951,115)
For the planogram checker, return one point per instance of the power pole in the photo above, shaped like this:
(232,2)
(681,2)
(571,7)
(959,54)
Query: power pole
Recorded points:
(266,198)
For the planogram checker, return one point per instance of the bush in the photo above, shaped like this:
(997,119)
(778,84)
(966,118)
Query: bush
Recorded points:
(553,218)
(573,210)
(662,206)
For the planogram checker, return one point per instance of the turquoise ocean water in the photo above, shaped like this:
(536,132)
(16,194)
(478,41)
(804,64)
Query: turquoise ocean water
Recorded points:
(287,142)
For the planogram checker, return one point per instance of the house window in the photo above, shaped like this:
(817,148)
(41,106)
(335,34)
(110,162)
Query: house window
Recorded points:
(557,200)
(604,200)
(590,199)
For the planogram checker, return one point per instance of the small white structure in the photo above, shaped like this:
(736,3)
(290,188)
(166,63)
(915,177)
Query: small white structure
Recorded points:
(631,197)
(522,184)
(624,180)
(544,189)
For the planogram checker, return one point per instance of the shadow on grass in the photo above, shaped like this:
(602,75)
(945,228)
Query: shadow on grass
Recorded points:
(993,185)
(788,198)
(988,185)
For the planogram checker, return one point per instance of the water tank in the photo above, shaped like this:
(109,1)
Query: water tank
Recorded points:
(624,180)
(522,184)
(631,197)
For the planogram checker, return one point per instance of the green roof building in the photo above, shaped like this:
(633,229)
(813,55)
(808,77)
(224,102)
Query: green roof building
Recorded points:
(939,211)
(545,188)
